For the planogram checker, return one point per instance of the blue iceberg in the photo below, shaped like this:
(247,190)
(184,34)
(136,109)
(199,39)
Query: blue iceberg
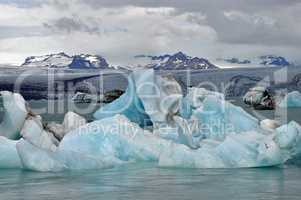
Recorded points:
(128,104)
(153,122)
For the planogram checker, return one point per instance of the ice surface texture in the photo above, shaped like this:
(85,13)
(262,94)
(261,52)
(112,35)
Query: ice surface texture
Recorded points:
(15,113)
(153,122)
(291,100)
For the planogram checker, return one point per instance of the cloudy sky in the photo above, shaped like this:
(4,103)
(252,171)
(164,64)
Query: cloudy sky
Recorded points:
(121,29)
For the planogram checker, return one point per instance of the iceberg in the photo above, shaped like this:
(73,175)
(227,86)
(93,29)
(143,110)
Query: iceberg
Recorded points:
(100,144)
(218,118)
(73,121)
(159,95)
(153,122)
(15,113)
(127,104)
(236,151)
(113,141)
(288,138)
(148,99)
(291,100)
(269,124)
(56,129)
(33,132)
(9,157)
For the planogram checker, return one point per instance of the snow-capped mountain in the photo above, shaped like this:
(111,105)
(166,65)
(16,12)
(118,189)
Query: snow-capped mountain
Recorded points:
(271,60)
(178,61)
(62,60)
(88,61)
(59,60)
(266,60)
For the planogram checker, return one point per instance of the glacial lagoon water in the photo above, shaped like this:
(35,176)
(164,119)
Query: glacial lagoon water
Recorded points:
(147,181)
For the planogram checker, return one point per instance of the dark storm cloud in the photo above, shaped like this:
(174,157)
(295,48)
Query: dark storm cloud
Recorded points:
(195,5)
(89,25)
(69,25)
(285,30)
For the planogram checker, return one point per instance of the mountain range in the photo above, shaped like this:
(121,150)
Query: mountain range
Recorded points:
(266,60)
(177,61)
(62,60)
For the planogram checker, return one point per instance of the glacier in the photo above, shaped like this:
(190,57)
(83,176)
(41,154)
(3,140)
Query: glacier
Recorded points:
(291,100)
(152,121)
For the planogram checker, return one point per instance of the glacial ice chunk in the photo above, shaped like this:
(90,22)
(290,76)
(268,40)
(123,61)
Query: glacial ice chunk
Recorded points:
(56,129)
(288,137)
(236,151)
(15,113)
(148,99)
(73,121)
(159,95)
(196,96)
(34,133)
(291,100)
(37,159)
(116,140)
(127,104)
(218,118)
(185,108)
(100,144)
(269,124)
(9,157)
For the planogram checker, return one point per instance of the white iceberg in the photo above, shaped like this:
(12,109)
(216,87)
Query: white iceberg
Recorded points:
(15,113)
(33,132)
(73,121)
(56,129)
(269,124)
(291,100)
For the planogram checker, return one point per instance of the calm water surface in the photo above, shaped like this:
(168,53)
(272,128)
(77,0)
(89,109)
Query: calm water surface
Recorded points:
(146,181)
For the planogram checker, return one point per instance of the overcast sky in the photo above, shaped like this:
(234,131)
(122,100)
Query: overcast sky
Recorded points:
(121,29)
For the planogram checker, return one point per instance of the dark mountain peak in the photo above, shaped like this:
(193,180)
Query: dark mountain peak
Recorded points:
(177,61)
(274,60)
